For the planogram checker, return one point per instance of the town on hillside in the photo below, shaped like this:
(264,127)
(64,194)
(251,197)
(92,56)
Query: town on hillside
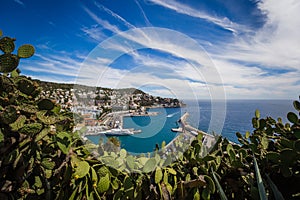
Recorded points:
(101,109)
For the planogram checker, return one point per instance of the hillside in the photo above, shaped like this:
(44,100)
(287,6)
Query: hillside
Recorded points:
(46,85)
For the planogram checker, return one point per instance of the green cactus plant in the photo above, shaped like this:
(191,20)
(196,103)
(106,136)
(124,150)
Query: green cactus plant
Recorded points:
(292,117)
(31,129)
(6,85)
(25,86)
(25,51)
(150,165)
(82,169)
(103,184)
(8,62)
(18,124)
(43,117)
(7,45)
(9,115)
(297,105)
(46,104)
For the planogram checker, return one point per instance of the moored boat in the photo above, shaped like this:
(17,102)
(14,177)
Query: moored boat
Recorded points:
(117,132)
(176,129)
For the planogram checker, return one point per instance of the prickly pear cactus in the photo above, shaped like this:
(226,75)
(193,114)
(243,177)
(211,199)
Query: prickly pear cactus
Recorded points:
(9,61)
(26,51)
(46,104)
(30,155)
(25,86)
(7,45)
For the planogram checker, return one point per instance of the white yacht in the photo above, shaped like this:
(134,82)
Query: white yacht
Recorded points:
(117,132)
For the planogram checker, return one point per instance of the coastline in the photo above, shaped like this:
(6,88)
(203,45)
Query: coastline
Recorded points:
(208,139)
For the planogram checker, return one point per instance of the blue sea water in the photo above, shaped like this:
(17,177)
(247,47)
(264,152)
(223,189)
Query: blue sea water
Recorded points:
(156,129)
(239,114)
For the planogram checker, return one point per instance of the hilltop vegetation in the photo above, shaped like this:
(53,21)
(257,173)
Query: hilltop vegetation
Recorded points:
(46,85)
(131,97)
(40,156)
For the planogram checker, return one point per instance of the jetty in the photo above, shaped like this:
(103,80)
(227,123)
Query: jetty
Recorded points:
(189,132)
(208,139)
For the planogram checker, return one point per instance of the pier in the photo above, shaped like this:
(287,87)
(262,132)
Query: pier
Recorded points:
(189,132)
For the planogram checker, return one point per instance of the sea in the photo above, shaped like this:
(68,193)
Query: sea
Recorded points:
(225,118)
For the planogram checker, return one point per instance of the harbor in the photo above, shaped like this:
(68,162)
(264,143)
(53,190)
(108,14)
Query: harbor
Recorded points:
(112,124)
(147,136)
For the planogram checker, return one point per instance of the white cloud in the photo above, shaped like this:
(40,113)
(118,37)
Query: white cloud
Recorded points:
(280,51)
(19,2)
(186,10)
(60,66)
(277,43)
(115,15)
(273,52)
(103,23)
(95,32)
(143,13)
(174,74)
(274,47)
(253,82)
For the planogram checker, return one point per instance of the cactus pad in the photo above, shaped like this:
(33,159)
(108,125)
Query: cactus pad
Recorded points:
(123,153)
(297,105)
(103,184)
(46,104)
(48,163)
(158,175)
(25,51)
(292,117)
(8,63)
(149,165)
(19,123)
(25,86)
(103,171)
(210,182)
(7,45)
(6,84)
(28,109)
(82,169)
(41,115)
(9,115)
(31,129)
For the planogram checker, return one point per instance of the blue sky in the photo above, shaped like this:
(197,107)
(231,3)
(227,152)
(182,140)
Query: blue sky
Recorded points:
(246,49)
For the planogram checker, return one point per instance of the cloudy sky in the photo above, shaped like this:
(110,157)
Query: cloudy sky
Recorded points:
(246,49)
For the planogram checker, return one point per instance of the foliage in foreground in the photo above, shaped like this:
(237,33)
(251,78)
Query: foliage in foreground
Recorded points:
(40,156)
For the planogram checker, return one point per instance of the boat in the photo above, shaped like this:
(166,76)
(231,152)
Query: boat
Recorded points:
(137,131)
(171,115)
(117,132)
(176,129)
(194,133)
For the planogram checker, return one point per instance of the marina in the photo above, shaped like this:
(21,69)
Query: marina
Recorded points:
(140,134)
(112,124)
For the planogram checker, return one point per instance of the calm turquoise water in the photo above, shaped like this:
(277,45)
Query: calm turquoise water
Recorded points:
(156,129)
